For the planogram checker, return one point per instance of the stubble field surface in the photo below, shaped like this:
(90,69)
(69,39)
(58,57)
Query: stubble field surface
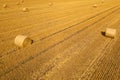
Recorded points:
(69,43)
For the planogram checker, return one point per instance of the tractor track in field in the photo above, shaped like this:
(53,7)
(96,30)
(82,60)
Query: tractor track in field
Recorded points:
(109,44)
(32,57)
(14,30)
(105,65)
(68,44)
(37,15)
(93,65)
(75,7)
(70,27)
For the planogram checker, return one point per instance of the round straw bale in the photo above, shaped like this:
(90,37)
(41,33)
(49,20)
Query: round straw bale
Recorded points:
(25,9)
(102,1)
(50,4)
(22,1)
(95,5)
(18,3)
(22,41)
(5,6)
(110,32)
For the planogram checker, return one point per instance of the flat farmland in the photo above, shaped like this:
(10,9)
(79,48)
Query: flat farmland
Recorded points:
(68,40)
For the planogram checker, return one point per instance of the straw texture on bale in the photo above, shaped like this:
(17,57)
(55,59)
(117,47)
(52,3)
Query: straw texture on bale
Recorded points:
(18,3)
(25,9)
(50,4)
(5,6)
(110,32)
(22,1)
(23,41)
(95,5)
(103,1)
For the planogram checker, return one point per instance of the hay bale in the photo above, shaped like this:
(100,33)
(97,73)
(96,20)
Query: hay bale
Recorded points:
(5,6)
(95,6)
(50,4)
(23,41)
(22,1)
(102,1)
(25,9)
(18,3)
(110,32)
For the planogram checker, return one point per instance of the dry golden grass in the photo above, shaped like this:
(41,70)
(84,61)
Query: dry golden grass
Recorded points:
(69,43)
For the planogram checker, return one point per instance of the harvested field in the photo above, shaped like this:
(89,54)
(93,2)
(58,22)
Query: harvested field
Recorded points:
(69,41)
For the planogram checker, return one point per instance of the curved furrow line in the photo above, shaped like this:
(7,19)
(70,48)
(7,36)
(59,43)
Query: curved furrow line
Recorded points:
(32,57)
(91,70)
(108,41)
(34,24)
(71,27)
(48,8)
